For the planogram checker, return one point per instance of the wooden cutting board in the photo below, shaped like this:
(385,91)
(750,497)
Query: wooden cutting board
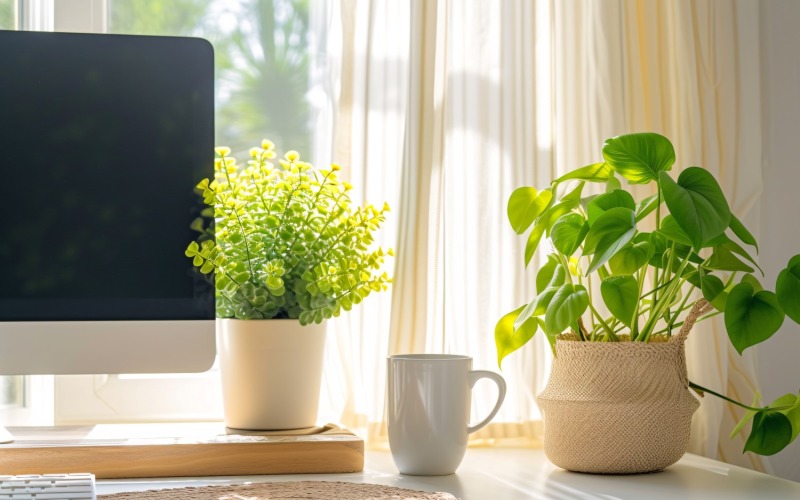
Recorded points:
(177,450)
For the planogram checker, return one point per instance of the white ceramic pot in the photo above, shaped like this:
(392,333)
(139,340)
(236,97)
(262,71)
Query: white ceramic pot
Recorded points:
(271,372)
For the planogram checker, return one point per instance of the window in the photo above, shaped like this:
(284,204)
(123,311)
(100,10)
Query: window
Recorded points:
(261,58)
(262,61)
(7,15)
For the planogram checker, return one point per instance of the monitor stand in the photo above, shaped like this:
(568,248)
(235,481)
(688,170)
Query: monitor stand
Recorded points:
(5,436)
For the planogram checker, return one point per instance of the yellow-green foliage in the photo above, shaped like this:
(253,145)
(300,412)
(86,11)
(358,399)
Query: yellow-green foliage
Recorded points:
(289,243)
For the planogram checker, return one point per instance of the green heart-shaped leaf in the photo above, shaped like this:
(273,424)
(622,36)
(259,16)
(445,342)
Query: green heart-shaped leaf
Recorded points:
(771,432)
(621,294)
(597,172)
(639,157)
(526,204)
(751,317)
(568,233)
(630,258)
(793,413)
(788,289)
(507,339)
(567,305)
(607,201)
(611,231)
(714,291)
(697,203)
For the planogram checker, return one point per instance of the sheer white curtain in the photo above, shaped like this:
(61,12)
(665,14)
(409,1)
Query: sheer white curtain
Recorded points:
(444,107)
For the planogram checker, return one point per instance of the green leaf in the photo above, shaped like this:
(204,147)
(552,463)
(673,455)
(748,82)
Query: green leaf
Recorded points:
(793,413)
(788,289)
(742,233)
(569,202)
(713,291)
(526,204)
(192,249)
(537,306)
(723,259)
(697,204)
(630,258)
(749,278)
(568,233)
(771,432)
(612,184)
(597,172)
(607,201)
(639,157)
(751,317)
(567,305)
(724,241)
(556,277)
(646,206)
(533,242)
(673,232)
(748,416)
(545,274)
(611,231)
(621,294)
(507,339)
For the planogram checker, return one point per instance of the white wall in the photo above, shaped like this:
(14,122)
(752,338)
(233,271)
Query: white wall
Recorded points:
(779,358)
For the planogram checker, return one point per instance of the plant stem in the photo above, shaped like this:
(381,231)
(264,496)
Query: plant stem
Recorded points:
(658,308)
(658,225)
(677,313)
(676,325)
(609,331)
(241,225)
(700,388)
(635,320)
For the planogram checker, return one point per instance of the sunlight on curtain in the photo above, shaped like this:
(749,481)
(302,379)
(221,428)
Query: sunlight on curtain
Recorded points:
(443,108)
(436,112)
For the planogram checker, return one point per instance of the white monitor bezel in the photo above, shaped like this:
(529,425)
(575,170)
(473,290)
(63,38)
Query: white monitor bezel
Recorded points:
(106,347)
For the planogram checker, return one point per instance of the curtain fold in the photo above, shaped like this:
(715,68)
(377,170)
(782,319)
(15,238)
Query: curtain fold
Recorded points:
(444,107)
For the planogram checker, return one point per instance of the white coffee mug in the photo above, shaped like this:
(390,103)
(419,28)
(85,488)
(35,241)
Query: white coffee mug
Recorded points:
(429,400)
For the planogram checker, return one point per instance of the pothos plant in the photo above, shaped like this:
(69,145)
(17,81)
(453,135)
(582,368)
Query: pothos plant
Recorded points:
(651,260)
(286,240)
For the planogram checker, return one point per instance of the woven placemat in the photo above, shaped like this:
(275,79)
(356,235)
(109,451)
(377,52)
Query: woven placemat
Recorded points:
(292,490)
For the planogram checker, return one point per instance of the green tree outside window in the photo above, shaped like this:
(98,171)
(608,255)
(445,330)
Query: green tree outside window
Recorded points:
(261,60)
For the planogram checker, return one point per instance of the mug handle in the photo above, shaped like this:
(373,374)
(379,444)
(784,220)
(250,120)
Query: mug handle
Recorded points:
(472,378)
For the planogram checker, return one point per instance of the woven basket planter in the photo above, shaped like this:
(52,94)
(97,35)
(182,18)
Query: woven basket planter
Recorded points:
(618,407)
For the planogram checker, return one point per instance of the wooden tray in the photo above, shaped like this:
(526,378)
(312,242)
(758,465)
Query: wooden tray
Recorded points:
(155,450)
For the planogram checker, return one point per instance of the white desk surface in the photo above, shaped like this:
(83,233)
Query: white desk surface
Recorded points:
(511,474)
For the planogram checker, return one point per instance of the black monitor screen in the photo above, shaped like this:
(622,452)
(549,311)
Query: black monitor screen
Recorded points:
(102,140)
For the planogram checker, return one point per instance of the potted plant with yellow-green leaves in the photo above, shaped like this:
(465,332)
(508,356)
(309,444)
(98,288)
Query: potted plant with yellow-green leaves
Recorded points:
(618,398)
(287,251)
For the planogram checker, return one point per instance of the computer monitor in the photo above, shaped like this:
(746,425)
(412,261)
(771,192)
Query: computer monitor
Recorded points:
(102,140)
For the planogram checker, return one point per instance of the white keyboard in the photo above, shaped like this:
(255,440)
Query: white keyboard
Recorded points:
(47,486)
